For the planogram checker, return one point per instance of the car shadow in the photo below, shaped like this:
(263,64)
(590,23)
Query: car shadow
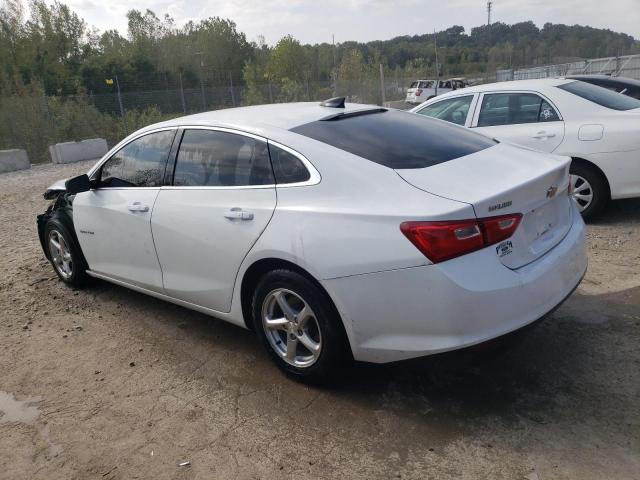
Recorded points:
(567,357)
(619,211)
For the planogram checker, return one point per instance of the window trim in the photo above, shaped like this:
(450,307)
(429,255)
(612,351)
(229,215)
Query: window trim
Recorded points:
(470,113)
(123,143)
(314,175)
(476,113)
(97,168)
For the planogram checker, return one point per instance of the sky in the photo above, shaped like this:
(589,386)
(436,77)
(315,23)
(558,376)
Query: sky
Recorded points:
(314,21)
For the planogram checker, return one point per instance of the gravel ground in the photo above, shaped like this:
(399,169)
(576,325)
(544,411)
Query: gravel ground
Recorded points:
(105,383)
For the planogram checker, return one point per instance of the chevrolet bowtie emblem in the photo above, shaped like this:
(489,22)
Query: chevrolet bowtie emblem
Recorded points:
(551,191)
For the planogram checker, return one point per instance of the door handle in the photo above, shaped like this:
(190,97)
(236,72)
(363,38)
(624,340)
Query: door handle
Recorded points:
(138,207)
(541,135)
(238,214)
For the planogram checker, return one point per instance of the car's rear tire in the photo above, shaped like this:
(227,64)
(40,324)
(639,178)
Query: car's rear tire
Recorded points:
(64,253)
(300,327)
(590,190)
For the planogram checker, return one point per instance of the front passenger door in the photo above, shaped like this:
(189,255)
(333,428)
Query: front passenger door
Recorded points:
(454,110)
(523,118)
(113,222)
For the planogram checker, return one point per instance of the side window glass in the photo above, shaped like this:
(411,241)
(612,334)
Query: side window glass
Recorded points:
(221,159)
(140,163)
(547,113)
(514,108)
(452,110)
(287,167)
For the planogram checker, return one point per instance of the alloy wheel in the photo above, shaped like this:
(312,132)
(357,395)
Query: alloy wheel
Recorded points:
(582,192)
(291,328)
(60,254)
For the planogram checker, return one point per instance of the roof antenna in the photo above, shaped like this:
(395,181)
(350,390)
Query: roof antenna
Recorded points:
(335,102)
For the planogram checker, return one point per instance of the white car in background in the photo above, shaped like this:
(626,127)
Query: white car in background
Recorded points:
(422,90)
(599,129)
(334,232)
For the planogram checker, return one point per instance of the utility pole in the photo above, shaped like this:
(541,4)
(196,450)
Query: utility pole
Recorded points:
(489,5)
(435,41)
(124,118)
(382,92)
(335,72)
(184,105)
(233,97)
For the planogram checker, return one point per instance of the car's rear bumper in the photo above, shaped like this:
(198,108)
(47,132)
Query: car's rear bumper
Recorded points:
(411,312)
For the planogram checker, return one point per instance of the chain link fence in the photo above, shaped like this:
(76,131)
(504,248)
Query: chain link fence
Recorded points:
(621,66)
(33,121)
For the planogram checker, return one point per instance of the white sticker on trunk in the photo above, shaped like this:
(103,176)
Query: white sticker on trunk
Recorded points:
(504,248)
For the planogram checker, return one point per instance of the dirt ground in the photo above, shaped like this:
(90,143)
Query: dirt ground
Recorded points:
(105,383)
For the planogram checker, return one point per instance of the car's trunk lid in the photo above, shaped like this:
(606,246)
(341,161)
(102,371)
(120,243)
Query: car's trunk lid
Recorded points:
(506,179)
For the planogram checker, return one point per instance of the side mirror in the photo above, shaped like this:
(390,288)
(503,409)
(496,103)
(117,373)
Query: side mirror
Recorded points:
(78,184)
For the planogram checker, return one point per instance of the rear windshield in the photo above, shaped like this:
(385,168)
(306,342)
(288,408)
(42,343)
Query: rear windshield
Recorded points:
(396,139)
(601,96)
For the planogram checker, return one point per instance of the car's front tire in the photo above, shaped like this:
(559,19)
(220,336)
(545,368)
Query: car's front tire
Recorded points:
(299,327)
(589,190)
(64,253)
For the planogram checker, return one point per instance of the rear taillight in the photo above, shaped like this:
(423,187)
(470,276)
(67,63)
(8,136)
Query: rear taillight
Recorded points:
(440,241)
(418,92)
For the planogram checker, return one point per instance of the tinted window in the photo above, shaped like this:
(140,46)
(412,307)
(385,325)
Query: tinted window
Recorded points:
(396,139)
(140,163)
(211,158)
(514,108)
(633,92)
(601,96)
(287,167)
(452,110)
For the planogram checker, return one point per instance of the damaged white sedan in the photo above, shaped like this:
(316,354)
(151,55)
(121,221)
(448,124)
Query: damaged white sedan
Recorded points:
(335,232)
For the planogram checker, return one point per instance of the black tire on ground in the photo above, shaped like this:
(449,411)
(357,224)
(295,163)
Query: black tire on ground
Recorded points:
(599,188)
(78,266)
(335,356)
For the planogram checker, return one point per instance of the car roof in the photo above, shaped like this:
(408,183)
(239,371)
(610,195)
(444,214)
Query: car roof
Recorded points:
(607,78)
(533,84)
(263,118)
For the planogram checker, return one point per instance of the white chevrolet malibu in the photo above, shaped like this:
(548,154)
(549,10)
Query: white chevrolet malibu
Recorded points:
(334,232)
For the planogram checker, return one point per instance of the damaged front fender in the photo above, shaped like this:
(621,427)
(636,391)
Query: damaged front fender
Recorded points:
(55,190)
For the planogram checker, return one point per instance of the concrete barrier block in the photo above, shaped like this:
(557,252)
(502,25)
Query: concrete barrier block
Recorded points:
(12,160)
(69,152)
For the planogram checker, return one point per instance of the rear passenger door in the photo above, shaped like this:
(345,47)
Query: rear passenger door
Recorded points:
(523,118)
(222,198)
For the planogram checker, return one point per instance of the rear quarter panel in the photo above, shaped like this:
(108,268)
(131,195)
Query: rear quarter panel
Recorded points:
(349,223)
